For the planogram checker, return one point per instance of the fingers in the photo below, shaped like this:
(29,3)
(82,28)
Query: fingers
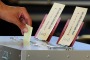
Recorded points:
(26,17)
(23,19)
(21,25)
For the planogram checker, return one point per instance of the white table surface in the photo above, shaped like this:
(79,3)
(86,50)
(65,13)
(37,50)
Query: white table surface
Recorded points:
(16,42)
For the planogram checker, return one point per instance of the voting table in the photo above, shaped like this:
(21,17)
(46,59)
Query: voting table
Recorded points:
(11,49)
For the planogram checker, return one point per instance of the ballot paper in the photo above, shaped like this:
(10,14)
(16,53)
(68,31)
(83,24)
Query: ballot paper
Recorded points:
(73,26)
(50,21)
(27,36)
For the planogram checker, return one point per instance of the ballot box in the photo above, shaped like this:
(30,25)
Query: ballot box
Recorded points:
(11,48)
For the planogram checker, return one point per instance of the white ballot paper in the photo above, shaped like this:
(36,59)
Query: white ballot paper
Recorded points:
(50,21)
(73,26)
(27,36)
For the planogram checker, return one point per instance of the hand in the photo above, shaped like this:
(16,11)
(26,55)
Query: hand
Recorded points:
(16,15)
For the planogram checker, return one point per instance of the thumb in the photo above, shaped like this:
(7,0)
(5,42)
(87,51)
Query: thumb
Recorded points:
(24,30)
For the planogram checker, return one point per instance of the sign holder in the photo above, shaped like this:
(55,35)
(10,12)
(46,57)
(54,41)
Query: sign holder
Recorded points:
(52,32)
(64,29)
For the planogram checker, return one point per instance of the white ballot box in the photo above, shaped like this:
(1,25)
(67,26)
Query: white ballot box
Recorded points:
(11,48)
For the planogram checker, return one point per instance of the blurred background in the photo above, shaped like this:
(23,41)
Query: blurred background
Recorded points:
(38,8)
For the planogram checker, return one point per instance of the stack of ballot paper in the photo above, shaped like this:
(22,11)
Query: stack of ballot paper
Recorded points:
(85,37)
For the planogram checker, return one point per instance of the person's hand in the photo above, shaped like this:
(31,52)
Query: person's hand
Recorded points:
(16,15)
